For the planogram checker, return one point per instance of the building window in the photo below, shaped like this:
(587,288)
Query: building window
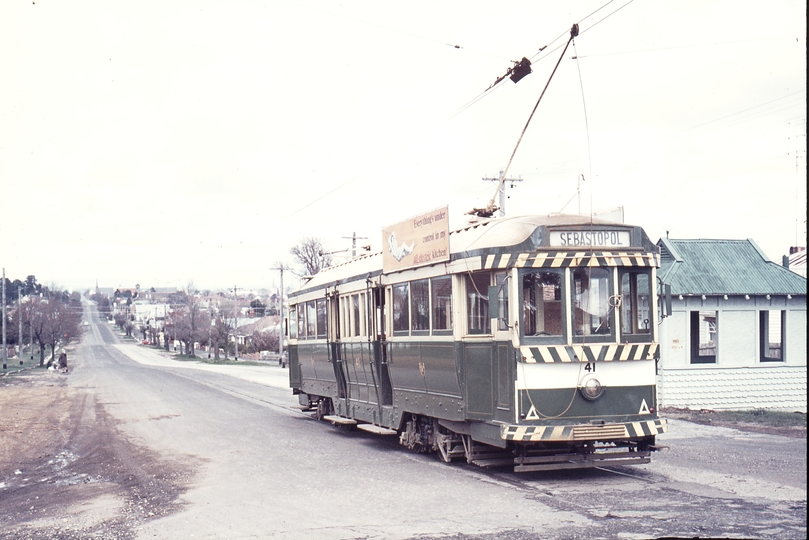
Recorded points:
(703,337)
(771,335)
(401,312)
(442,303)
(477,303)
(542,303)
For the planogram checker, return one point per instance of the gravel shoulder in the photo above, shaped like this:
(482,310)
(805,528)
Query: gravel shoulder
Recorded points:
(766,423)
(65,470)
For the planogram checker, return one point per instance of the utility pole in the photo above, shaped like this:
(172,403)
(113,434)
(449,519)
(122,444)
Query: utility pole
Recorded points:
(501,211)
(353,239)
(19,316)
(236,323)
(281,318)
(5,349)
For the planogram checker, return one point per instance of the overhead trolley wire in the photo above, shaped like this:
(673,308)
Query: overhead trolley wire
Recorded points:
(545,49)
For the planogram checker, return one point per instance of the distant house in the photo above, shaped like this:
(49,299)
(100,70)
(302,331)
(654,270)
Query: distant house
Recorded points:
(736,334)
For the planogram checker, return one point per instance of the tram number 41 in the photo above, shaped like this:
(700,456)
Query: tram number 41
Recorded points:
(590,366)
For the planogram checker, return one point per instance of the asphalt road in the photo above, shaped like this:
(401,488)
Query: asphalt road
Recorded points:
(190,450)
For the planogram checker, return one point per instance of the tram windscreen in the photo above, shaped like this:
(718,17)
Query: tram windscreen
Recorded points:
(591,302)
(542,303)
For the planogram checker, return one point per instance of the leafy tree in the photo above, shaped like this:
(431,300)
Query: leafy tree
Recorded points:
(310,254)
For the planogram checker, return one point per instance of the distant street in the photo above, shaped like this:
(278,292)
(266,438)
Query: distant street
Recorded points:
(145,446)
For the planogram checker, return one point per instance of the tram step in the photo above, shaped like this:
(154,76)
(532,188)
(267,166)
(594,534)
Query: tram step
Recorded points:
(377,430)
(493,462)
(581,464)
(341,420)
(599,458)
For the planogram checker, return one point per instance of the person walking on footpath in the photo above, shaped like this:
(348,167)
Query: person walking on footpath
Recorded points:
(63,362)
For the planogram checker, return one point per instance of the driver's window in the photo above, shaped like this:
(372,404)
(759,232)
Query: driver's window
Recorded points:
(542,303)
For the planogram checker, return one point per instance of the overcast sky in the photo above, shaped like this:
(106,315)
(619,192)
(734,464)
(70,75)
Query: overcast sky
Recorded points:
(164,143)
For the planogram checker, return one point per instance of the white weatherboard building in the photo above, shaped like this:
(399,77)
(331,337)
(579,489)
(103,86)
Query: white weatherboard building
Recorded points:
(736,334)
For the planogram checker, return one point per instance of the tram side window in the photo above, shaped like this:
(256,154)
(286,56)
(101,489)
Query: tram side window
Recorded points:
(401,304)
(420,306)
(311,320)
(355,315)
(293,322)
(636,293)
(502,299)
(321,317)
(363,315)
(477,303)
(542,303)
(302,321)
(592,314)
(442,303)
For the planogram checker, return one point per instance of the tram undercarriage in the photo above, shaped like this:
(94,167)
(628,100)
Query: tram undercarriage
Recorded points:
(453,441)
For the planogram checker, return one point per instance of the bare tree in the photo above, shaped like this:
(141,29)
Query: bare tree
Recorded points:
(309,252)
(191,325)
(264,341)
(53,322)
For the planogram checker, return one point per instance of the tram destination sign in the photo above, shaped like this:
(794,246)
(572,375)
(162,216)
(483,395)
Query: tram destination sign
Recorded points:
(418,241)
(579,239)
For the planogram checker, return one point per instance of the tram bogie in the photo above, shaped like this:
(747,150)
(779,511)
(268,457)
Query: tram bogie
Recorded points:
(532,345)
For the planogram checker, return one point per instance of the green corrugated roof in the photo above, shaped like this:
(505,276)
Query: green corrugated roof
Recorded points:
(723,267)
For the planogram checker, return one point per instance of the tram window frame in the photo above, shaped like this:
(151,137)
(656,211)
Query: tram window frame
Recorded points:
(441,305)
(765,326)
(602,297)
(292,317)
(527,305)
(631,311)
(501,281)
(420,307)
(697,354)
(311,320)
(322,318)
(400,314)
(363,314)
(477,299)
(343,318)
(354,308)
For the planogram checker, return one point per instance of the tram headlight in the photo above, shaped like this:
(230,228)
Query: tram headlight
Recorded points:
(591,389)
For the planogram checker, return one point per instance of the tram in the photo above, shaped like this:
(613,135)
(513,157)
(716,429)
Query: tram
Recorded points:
(527,342)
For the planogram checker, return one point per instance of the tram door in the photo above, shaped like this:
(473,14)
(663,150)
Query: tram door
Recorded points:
(335,353)
(380,349)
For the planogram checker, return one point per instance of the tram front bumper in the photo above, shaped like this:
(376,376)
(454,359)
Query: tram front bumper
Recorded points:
(584,432)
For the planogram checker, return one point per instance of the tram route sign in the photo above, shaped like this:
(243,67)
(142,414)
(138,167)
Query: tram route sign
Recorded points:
(417,241)
(599,238)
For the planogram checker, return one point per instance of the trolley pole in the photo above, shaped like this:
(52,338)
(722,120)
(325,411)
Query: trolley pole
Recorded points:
(501,211)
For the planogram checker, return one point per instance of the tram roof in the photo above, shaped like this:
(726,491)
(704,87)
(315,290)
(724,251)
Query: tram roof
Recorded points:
(482,234)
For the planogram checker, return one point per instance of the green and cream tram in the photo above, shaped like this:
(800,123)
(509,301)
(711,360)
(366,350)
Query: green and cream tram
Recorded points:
(530,343)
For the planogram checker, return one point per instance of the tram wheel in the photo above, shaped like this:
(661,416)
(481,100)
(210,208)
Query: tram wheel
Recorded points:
(324,408)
